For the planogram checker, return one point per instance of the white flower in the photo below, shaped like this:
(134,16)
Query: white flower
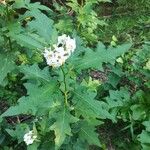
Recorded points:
(29,137)
(55,58)
(61,51)
(70,45)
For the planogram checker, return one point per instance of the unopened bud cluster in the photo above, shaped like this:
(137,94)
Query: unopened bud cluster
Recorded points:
(60,52)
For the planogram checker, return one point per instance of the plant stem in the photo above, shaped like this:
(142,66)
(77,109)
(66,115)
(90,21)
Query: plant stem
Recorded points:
(65,92)
(82,3)
(8,19)
(10,44)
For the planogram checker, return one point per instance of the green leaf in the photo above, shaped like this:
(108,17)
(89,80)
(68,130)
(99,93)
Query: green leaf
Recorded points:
(95,59)
(18,132)
(23,37)
(42,25)
(80,145)
(26,4)
(113,79)
(35,73)
(20,4)
(88,133)
(7,64)
(37,98)
(87,106)
(118,102)
(62,126)
(147,125)
(138,112)
(144,137)
(38,5)
(27,40)
(33,146)
(118,98)
(145,146)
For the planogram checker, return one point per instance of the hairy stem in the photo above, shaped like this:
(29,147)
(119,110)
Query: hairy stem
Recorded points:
(65,92)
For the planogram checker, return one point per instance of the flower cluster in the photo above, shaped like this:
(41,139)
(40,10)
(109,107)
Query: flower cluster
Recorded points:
(61,51)
(29,137)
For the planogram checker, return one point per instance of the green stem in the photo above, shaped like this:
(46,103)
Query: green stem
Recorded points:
(65,83)
(10,44)
(82,3)
(8,19)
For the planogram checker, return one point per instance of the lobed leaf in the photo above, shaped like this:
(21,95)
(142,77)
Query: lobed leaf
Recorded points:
(87,106)
(37,97)
(61,126)
(88,133)
(95,59)
(35,73)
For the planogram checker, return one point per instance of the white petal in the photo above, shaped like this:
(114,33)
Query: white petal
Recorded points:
(62,39)
(47,53)
(70,45)
(29,141)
